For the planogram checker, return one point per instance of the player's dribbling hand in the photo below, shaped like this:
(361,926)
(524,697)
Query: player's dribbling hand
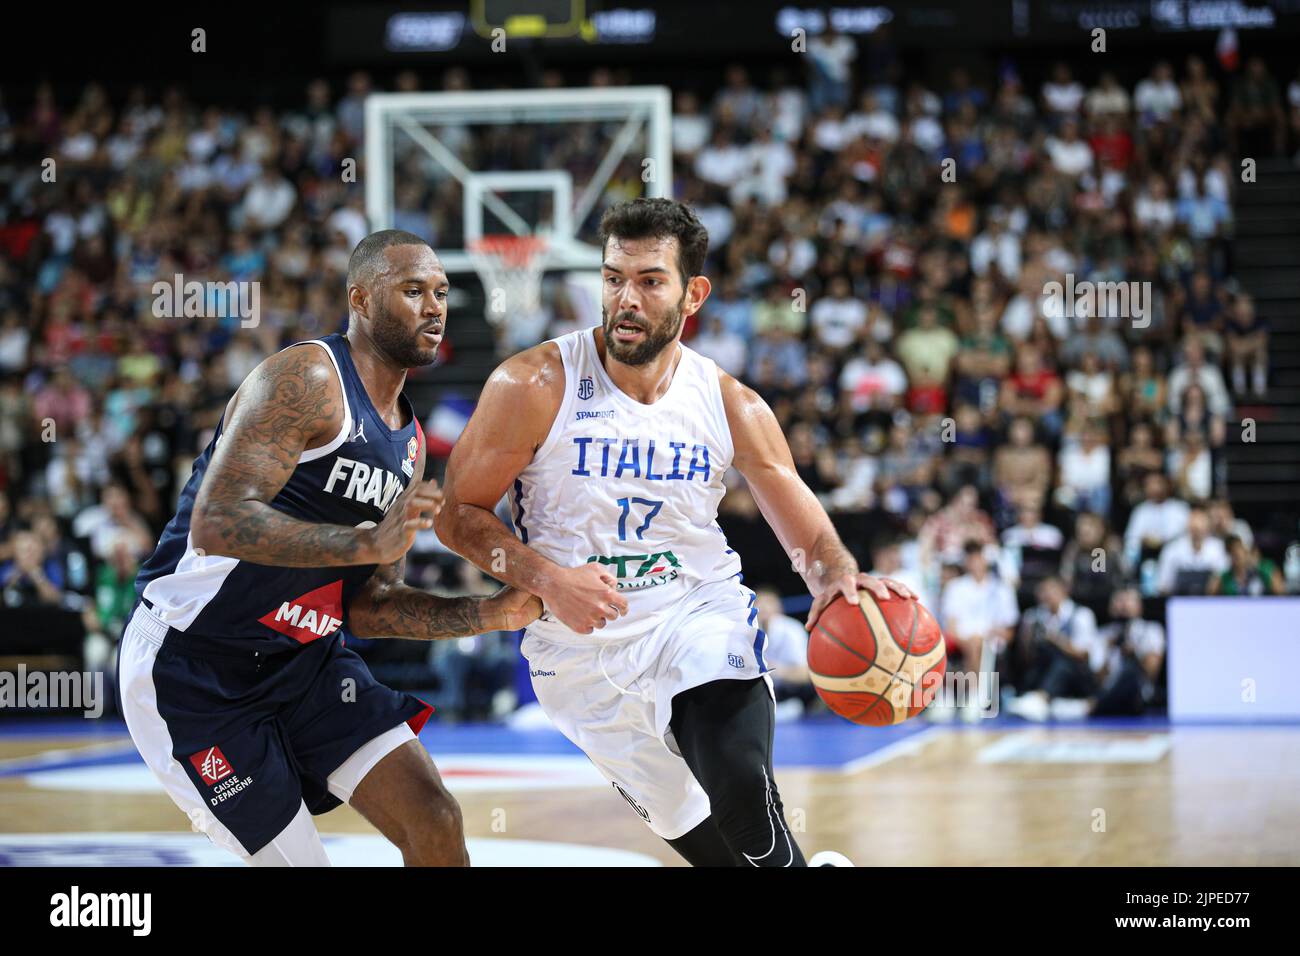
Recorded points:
(510,609)
(585,598)
(848,586)
(414,511)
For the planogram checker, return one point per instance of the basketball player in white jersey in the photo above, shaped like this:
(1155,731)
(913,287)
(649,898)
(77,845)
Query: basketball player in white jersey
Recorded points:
(612,443)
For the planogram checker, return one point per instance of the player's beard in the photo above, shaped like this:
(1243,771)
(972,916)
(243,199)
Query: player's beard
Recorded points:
(398,342)
(659,334)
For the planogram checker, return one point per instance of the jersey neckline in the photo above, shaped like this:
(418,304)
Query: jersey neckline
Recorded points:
(393,434)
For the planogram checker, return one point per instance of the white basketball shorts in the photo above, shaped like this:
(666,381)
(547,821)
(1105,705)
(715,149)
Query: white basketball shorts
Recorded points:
(614,700)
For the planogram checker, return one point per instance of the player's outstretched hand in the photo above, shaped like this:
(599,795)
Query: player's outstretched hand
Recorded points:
(510,609)
(414,511)
(585,598)
(848,585)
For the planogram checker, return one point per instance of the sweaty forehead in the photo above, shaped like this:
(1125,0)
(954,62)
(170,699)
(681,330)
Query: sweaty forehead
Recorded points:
(646,253)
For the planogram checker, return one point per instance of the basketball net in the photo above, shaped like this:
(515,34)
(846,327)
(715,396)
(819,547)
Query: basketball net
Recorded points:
(510,268)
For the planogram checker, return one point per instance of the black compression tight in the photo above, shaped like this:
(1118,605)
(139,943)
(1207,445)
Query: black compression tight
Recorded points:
(724,732)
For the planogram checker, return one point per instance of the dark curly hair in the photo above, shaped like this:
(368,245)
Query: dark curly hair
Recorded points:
(659,219)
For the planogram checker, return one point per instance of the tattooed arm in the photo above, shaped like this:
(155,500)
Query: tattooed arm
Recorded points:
(385,607)
(290,403)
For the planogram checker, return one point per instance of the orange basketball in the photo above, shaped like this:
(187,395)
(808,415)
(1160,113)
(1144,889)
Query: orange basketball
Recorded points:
(876,662)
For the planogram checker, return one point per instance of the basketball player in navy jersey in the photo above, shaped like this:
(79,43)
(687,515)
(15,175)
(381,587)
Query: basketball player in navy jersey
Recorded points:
(612,443)
(291,532)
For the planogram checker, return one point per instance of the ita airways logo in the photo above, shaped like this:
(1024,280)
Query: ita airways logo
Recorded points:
(586,388)
(636,572)
(211,765)
(317,613)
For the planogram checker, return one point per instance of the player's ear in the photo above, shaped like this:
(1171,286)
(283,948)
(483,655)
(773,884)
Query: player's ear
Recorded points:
(697,290)
(359,301)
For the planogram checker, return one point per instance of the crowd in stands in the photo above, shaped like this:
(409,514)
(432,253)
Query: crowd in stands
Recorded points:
(881,254)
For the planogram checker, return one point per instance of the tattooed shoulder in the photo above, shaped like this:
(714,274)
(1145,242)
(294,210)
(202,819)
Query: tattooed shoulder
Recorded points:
(290,403)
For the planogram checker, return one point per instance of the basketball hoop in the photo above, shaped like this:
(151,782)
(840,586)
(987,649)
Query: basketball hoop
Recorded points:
(510,268)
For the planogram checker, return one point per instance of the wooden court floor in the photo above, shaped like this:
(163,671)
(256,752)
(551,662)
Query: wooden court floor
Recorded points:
(1069,796)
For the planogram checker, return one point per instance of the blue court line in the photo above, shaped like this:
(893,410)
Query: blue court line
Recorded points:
(823,742)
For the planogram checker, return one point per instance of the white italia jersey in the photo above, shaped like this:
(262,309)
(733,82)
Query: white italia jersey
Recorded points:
(635,487)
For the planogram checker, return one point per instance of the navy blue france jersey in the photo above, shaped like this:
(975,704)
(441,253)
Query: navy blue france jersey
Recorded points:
(353,480)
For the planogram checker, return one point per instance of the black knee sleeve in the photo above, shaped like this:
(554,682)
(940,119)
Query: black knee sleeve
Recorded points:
(724,732)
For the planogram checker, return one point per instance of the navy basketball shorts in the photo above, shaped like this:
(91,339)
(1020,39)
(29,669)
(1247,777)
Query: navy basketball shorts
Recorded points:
(243,744)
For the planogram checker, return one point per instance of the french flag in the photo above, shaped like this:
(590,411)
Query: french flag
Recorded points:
(445,423)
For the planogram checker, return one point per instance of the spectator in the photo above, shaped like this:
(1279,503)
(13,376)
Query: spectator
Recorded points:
(830,60)
(1022,469)
(1157,97)
(722,162)
(1153,210)
(1257,123)
(871,381)
(1205,215)
(1224,524)
(1085,472)
(1247,573)
(786,653)
(724,347)
(1157,520)
(1203,312)
(1194,418)
(1062,95)
(1092,387)
(1200,93)
(1108,98)
(691,128)
(737,102)
(1033,548)
(969,450)
(1191,467)
(1033,390)
(268,202)
(1138,459)
(872,121)
(30,578)
(946,532)
(1189,561)
(114,601)
(1142,389)
(837,318)
(927,353)
(887,561)
(996,247)
(1128,659)
(1092,564)
(102,523)
(1246,337)
(1194,369)
(1052,653)
(978,610)
(1069,154)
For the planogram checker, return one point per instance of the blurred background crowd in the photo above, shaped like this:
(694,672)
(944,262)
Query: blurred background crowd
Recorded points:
(1043,476)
